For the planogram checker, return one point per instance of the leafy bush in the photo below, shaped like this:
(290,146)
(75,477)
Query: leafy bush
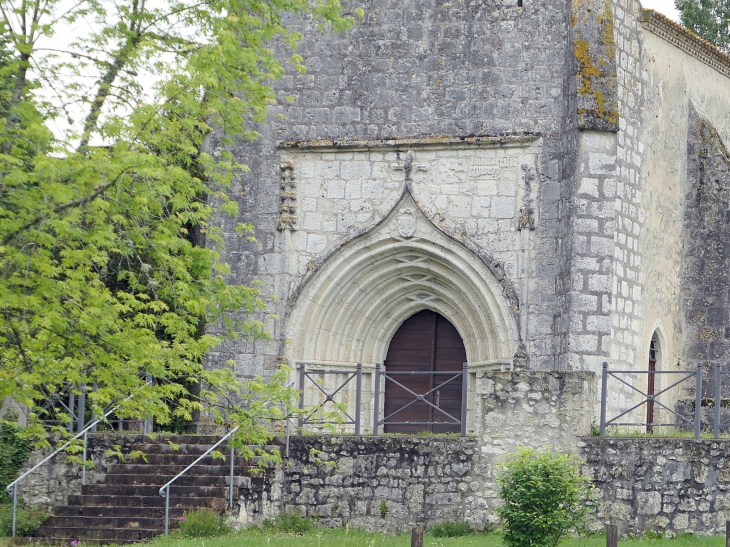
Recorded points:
(203,523)
(27,522)
(450,530)
(290,522)
(545,496)
(14,451)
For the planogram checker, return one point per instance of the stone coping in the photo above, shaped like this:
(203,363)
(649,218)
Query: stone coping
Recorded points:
(506,139)
(686,40)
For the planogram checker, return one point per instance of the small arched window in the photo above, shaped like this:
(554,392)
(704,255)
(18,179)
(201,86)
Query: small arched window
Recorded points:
(652,384)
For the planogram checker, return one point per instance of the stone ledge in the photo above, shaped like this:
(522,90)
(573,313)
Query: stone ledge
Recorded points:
(686,40)
(441,140)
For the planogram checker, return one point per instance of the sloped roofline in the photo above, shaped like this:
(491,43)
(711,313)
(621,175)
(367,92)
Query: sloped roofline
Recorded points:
(686,40)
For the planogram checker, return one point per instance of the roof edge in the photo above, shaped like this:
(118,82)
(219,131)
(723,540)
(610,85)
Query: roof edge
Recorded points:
(686,40)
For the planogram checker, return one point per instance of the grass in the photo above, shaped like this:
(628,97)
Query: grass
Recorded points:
(356,538)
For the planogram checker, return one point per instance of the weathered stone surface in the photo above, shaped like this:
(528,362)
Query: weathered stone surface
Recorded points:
(672,485)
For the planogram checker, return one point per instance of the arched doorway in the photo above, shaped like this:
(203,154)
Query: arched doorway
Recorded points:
(425,342)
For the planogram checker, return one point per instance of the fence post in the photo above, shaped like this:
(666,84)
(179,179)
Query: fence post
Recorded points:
(727,533)
(301,396)
(376,402)
(464,393)
(83,460)
(71,409)
(611,535)
(417,537)
(81,412)
(604,385)
(718,398)
(698,401)
(358,397)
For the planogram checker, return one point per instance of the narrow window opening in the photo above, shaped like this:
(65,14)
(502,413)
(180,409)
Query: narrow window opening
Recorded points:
(519,3)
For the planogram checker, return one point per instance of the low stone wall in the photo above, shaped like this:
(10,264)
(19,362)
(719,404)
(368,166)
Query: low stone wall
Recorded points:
(51,484)
(385,484)
(673,485)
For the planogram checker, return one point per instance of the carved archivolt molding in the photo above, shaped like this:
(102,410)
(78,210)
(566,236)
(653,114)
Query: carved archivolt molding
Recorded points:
(350,309)
(287,197)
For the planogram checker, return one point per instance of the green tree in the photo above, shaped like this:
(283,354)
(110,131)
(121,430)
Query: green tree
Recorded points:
(109,189)
(709,19)
(545,496)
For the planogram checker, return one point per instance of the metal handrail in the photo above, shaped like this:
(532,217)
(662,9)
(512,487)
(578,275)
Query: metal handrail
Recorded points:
(165,490)
(14,485)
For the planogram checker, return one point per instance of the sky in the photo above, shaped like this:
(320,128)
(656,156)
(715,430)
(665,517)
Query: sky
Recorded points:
(663,6)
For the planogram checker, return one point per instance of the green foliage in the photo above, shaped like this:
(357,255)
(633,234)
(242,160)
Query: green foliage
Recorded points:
(290,522)
(14,451)
(450,530)
(110,237)
(27,520)
(709,19)
(383,508)
(544,495)
(203,523)
(653,535)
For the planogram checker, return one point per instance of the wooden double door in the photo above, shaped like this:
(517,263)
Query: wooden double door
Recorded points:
(425,342)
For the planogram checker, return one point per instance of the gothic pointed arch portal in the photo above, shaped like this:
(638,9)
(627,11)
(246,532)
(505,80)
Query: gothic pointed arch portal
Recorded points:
(351,307)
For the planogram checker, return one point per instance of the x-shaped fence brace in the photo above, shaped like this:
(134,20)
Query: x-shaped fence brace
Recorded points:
(418,397)
(649,398)
(329,397)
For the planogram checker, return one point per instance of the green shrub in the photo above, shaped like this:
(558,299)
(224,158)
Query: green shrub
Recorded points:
(203,523)
(450,530)
(14,451)
(290,522)
(545,496)
(27,521)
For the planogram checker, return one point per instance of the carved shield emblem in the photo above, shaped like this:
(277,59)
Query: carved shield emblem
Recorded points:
(406,222)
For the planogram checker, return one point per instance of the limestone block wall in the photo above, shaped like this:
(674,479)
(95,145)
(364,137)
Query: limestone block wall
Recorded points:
(415,70)
(669,485)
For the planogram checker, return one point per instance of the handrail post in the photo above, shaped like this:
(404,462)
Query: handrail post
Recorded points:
(376,402)
(167,511)
(464,393)
(358,397)
(83,460)
(230,486)
(15,506)
(718,398)
(302,372)
(698,401)
(604,394)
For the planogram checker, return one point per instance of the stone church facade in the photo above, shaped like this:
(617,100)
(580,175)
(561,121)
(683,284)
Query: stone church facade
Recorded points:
(549,177)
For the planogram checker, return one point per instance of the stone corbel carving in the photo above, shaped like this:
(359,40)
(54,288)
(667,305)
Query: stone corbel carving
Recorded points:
(287,197)
(526,220)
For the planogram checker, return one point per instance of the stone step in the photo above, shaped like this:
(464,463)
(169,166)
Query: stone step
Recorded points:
(186,439)
(97,523)
(113,501)
(188,449)
(159,480)
(187,459)
(223,469)
(128,490)
(120,511)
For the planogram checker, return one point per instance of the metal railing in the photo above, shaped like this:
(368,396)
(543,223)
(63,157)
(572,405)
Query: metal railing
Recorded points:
(329,396)
(652,398)
(719,373)
(463,375)
(13,486)
(165,490)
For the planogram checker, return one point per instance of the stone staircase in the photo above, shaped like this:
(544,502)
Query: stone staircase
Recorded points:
(123,504)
